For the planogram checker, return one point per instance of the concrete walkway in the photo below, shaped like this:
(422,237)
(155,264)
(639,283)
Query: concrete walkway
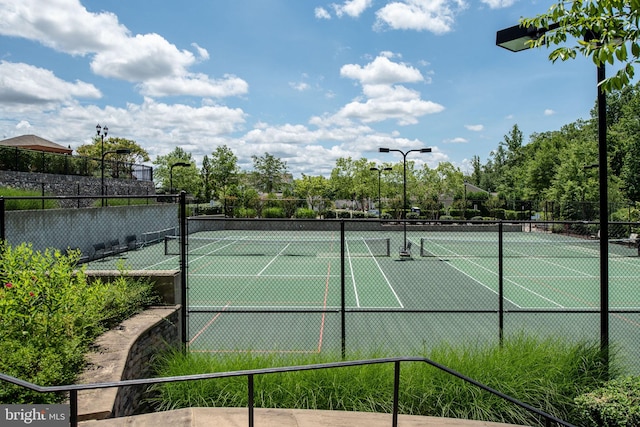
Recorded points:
(239,417)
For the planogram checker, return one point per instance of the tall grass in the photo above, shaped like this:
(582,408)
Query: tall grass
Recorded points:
(545,373)
(25,204)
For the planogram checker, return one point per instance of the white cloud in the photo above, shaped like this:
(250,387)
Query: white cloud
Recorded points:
(382,71)
(159,66)
(497,4)
(549,112)
(474,128)
(436,16)
(321,13)
(196,85)
(203,54)
(299,86)
(353,8)
(383,98)
(457,140)
(25,84)
(24,124)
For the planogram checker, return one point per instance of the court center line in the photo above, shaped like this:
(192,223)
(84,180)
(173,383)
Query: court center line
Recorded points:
(273,259)
(393,291)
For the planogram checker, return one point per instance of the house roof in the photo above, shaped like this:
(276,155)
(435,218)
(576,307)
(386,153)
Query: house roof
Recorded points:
(33,142)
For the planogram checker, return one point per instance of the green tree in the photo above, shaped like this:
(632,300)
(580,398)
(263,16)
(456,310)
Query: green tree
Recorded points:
(313,189)
(206,171)
(94,149)
(184,178)
(605,30)
(270,172)
(224,172)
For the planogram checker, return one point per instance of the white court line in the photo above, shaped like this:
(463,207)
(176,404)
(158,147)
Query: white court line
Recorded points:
(385,278)
(353,278)
(496,274)
(273,259)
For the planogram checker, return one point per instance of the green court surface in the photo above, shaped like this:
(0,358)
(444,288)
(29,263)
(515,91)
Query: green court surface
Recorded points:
(282,291)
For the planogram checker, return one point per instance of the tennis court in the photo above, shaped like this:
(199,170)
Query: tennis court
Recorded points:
(283,291)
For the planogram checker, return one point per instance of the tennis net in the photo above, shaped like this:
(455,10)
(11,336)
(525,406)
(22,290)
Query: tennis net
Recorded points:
(233,246)
(444,248)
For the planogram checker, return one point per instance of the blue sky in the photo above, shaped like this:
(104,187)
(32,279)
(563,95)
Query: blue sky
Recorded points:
(308,81)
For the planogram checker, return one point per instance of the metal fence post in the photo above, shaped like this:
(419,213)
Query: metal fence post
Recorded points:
(500,283)
(2,219)
(396,393)
(183,267)
(342,290)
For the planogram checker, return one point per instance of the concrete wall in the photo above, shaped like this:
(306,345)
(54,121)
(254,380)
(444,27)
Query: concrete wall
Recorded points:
(82,228)
(210,223)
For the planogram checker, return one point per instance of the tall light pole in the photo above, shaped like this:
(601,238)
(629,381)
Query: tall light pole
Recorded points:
(102,133)
(379,198)
(104,154)
(515,39)
(404,183)
(179,164)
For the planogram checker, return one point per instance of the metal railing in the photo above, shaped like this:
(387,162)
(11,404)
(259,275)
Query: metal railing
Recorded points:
(251,373)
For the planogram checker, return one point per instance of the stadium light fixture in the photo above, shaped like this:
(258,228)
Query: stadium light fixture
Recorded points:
(516,39)
(404,183)
(379,198)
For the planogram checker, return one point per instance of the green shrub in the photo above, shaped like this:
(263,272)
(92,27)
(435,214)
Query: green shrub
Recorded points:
(273,213)
(329,213)
(616,404)
(49,313)
(305,213)
(246,213)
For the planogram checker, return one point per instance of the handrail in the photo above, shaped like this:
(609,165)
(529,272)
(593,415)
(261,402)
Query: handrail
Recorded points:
(250,373)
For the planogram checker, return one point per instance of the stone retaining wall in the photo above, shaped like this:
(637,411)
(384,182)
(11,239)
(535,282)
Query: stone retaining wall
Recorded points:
(125,353)
(74,185)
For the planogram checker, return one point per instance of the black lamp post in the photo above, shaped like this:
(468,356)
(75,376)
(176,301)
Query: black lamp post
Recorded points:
(515,39)
(404,183)
(379,198)
(179,164)
(104,154)
(102,133)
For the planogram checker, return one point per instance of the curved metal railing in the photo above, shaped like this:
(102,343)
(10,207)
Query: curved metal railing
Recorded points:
(251,373)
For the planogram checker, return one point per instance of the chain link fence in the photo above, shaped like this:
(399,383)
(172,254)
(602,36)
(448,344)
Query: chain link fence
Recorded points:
(359,286)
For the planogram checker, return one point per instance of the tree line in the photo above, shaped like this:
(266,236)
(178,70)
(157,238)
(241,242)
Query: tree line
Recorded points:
(557,167)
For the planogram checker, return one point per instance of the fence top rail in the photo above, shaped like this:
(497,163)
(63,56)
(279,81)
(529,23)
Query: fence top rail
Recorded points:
(264,371)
